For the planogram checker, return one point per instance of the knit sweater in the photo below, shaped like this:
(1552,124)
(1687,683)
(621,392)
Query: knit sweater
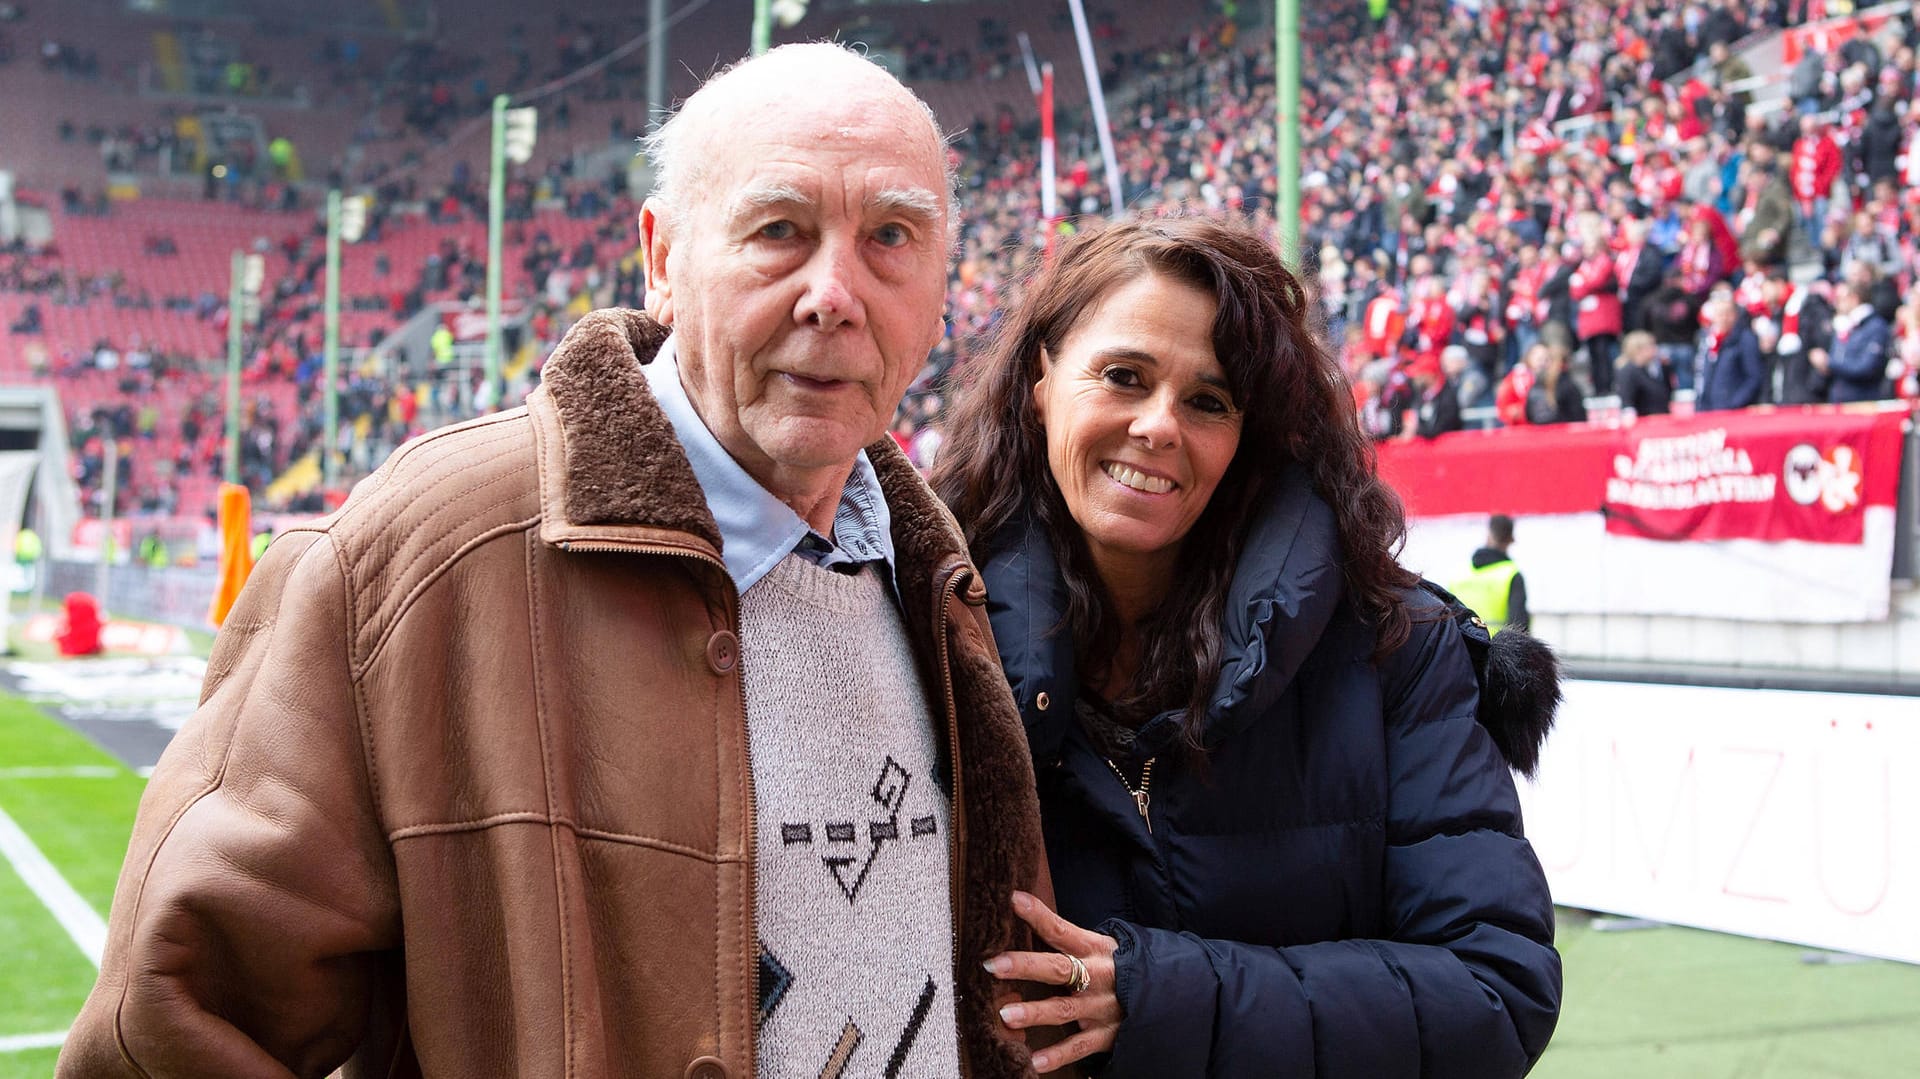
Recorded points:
(852,896)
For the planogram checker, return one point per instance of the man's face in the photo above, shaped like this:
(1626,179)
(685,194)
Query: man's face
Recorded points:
(804,273)
(1722,312)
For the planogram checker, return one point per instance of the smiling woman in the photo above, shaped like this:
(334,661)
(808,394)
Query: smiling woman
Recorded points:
(1261,777)
(1140,428)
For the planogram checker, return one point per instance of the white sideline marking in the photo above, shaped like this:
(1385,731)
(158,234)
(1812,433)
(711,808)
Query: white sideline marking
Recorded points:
(20,1043)
(76,771)
(80,921)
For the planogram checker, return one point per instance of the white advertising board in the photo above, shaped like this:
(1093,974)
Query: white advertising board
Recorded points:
(1767,813)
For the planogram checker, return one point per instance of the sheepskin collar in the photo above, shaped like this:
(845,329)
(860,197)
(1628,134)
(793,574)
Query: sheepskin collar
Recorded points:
(609,458)
(611,466)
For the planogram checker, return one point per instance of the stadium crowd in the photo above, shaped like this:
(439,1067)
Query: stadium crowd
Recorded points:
(1514,210)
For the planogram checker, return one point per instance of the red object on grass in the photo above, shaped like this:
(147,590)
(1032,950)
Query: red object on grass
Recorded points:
(80,633)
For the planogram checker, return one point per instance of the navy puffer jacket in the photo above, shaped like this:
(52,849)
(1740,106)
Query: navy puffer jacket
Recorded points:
(1346,892)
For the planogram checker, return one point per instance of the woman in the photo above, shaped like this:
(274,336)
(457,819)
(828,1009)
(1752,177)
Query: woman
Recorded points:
(1555,395)
(1280,841)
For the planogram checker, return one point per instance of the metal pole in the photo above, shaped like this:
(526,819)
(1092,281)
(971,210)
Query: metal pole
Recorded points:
(656,59)
(1049,188)
(231,467)
(1287,74)
(108,493)
(1098,100)
(762,26)
(496,207)
(330,367)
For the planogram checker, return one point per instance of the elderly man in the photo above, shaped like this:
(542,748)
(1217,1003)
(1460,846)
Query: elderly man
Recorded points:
(654,729)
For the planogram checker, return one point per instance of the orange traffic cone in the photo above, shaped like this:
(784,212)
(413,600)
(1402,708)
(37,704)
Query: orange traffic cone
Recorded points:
(236,555)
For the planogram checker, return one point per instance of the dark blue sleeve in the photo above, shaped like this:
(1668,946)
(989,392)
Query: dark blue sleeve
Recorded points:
(1466,985)
(1864,356)
(1753,373)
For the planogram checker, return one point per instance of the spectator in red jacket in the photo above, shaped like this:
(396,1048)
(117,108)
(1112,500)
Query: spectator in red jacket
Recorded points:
(1709,255)
(1510,402)
(1816,165)
(1386,323)
(1431,319)
(1595,286)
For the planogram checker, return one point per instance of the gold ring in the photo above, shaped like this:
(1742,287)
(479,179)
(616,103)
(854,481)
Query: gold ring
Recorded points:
(1077,978)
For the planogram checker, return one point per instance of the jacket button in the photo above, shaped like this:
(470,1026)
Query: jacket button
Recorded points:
(723,652)
(707,1068)
(1042,701)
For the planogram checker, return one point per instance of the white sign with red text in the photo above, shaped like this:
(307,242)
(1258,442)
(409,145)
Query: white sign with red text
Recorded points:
(1783,815)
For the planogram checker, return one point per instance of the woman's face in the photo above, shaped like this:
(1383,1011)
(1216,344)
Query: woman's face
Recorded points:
(1139,422)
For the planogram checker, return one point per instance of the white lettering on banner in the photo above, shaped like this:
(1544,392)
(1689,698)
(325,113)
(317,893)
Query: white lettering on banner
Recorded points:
(1686,496)
(1782,815)
(1686,472)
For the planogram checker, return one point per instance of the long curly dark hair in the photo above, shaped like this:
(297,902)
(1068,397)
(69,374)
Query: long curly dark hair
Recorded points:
(1297,408)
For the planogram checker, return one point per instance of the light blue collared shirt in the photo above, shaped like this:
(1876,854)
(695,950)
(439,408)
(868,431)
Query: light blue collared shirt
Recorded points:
(757,530)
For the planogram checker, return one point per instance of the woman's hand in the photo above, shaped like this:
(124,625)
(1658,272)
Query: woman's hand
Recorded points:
(1095,1008)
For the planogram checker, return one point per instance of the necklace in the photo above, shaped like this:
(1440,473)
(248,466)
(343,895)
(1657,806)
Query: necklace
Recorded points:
(1141,799)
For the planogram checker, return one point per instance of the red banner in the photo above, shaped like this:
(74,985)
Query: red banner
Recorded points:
(89,533)
(471,325)
(1828,35)
(1800,474)
(1773,477)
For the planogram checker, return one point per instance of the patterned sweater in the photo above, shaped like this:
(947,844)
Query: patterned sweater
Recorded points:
(852,900)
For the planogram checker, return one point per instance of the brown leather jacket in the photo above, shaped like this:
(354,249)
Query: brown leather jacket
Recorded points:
(468,794)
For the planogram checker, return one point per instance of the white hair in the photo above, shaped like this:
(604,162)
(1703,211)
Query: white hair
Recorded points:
(672,147)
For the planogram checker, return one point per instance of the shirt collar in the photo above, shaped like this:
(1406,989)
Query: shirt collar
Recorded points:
(757,530)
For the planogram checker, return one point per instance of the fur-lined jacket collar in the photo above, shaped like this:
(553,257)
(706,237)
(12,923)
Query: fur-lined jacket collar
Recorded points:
(613,469)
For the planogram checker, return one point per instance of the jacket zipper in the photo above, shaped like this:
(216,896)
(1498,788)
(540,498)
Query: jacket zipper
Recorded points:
(956,867)
(752,941)
(1141,798)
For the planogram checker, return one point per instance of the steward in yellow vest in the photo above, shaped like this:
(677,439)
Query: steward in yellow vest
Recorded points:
(1494,588)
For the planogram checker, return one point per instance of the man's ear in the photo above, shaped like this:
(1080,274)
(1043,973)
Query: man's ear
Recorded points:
(654,243)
